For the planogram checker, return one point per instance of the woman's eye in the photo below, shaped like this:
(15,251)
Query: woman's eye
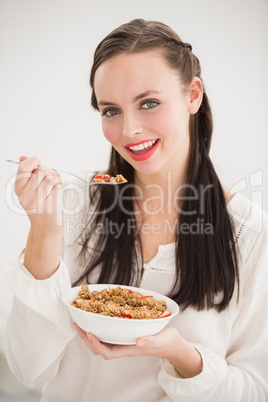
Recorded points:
(110,112)
(149,104)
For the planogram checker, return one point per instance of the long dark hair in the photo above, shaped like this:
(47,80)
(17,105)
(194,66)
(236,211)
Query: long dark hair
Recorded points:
(207,268)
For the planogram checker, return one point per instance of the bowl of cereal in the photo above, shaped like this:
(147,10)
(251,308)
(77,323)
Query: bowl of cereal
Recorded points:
(119,314)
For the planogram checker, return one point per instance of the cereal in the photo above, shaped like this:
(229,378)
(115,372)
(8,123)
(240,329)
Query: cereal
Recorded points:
(108,179)
(120,302)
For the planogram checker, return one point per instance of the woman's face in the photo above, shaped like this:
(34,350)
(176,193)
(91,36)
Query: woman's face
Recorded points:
(145,114)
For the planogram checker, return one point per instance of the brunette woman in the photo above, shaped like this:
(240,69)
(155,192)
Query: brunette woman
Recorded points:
(172,228)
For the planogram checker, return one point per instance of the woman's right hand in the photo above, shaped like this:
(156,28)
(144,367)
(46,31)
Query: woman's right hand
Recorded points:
(39,191)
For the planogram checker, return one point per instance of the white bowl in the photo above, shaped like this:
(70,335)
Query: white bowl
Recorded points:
(117,330)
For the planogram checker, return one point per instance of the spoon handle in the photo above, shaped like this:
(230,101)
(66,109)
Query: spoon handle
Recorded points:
(58,170)
(90,183)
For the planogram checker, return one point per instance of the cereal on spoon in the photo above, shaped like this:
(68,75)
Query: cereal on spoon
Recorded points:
(108,179)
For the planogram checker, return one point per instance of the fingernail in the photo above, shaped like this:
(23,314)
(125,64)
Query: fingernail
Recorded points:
(141,342)
(50,177)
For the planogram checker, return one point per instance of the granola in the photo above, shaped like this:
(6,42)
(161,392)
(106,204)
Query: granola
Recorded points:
(120,302)
(119,178)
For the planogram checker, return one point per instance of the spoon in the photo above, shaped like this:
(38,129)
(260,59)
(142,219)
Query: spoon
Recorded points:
(72,174)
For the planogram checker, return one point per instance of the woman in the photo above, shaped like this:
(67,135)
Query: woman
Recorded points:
(173,229)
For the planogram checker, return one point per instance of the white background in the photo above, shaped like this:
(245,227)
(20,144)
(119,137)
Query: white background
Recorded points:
(46,50)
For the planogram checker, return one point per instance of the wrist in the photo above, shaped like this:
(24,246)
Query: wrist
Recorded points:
(42,254)
(46,236)
(185,358)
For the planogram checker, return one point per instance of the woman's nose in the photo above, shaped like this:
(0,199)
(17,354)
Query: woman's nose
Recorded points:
(131,125)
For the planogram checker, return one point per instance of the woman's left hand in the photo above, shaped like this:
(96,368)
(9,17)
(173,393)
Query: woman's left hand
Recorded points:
(156,345)
(167,344)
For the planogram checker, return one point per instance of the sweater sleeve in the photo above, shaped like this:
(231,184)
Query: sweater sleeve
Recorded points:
(242,374)
(38,327)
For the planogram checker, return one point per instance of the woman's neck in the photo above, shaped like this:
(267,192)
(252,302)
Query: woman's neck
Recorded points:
(162,190)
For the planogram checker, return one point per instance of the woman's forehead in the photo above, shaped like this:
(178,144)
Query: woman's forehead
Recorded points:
(134,72)
(131,62)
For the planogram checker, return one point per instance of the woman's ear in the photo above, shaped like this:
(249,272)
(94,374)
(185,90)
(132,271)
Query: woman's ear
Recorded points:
(196,95)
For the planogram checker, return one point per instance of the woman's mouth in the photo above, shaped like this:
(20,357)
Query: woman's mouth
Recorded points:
(142,150)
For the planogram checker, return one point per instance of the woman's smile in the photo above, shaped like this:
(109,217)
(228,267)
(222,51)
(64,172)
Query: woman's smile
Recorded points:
(142,150)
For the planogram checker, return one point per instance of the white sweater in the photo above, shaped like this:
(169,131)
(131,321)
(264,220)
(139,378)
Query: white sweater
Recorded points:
(43,348)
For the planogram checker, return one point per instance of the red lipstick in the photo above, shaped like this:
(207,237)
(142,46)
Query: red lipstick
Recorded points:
(145,153)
